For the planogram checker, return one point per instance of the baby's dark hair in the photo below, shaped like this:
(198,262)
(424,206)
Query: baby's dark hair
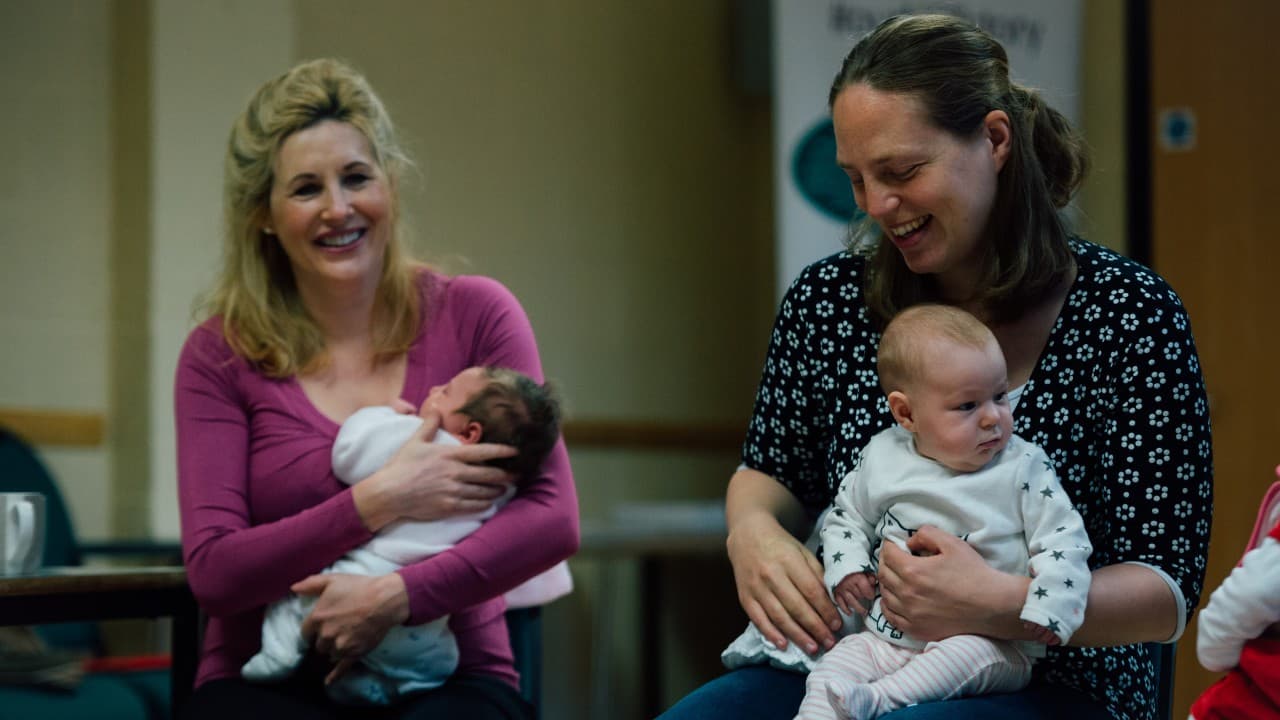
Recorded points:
(514,410)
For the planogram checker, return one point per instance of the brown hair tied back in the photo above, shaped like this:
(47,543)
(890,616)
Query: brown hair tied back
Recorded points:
(960,74)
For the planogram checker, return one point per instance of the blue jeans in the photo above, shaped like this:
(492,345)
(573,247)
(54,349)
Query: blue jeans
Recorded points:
(765,693)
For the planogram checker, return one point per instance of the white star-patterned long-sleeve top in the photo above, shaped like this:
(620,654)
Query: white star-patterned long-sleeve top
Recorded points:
(1013,511)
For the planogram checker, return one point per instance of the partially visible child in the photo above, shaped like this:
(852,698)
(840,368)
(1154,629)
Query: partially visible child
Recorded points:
(953,462)
(1238,630)
(495,405)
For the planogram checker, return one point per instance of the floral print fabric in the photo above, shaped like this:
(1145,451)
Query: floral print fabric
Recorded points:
(1117,401)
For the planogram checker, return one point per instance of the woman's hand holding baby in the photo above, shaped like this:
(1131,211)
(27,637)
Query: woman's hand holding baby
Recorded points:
(945,588)
(780,586)
(351,615)
(429,481)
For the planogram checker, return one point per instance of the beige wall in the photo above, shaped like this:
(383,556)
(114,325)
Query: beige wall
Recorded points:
(200,81)
(594,156)
(1104,212)
(55,203)
(598,159)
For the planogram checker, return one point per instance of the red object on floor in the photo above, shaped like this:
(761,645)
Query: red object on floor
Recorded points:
(128,663)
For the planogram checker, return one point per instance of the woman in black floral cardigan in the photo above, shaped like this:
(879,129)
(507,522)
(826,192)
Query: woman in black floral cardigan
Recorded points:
(962,174)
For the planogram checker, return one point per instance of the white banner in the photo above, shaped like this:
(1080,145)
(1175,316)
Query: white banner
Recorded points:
(812,37)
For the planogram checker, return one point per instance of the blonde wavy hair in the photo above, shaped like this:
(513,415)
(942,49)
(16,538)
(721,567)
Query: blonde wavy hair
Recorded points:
(256,296)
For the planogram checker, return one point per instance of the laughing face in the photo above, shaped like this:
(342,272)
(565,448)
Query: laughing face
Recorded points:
(930,191)
(330,207)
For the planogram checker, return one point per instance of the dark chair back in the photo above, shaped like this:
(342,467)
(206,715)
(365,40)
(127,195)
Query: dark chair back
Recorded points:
(525,627)
(1164,655)
(22,471)
(141,695)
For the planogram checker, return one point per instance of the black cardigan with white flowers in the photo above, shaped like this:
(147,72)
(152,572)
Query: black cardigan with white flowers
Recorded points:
(1116,400)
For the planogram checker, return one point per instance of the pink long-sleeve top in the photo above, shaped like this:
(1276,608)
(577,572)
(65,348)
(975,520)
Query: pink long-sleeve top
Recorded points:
(261,508)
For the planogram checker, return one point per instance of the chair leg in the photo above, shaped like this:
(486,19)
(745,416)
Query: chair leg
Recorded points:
(186,630)
(1164,655)
(525,627)
(531,678)
(1169,653)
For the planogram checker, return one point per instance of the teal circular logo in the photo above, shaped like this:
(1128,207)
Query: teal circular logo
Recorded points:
(821,182)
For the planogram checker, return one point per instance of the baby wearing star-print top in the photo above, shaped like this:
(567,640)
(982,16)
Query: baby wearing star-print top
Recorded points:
(488,404)
(953,462)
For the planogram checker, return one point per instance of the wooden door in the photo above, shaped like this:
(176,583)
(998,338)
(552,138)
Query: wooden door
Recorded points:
(1215,239)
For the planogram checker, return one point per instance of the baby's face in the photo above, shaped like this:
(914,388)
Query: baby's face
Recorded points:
(446,400)
(961,409)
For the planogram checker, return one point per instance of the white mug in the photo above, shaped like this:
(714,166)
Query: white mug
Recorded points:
(21,533)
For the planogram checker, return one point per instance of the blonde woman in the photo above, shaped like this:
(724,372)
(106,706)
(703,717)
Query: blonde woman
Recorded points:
(318,312)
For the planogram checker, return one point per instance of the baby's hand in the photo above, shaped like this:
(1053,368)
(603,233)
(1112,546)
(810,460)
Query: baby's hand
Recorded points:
(855,592)
(403,407)
(1041,634)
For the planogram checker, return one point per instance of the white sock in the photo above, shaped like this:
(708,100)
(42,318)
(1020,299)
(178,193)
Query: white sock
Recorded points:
(852,700)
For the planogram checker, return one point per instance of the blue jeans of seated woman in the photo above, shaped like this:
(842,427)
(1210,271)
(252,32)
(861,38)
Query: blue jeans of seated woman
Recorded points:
(765,693)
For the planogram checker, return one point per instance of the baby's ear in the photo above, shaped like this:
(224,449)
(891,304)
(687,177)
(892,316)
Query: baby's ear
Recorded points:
(471,434)
(900,406)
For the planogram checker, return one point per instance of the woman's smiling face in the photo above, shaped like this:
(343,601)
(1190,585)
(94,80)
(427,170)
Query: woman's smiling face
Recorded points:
(930,191)
(330,206)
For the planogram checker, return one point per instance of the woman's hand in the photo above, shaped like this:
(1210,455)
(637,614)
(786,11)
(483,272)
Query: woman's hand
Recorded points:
(947,589)
(780,585)
(351,615)
(425,480)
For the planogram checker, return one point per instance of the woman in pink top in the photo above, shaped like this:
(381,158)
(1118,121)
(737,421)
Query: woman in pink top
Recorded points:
(318,312)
